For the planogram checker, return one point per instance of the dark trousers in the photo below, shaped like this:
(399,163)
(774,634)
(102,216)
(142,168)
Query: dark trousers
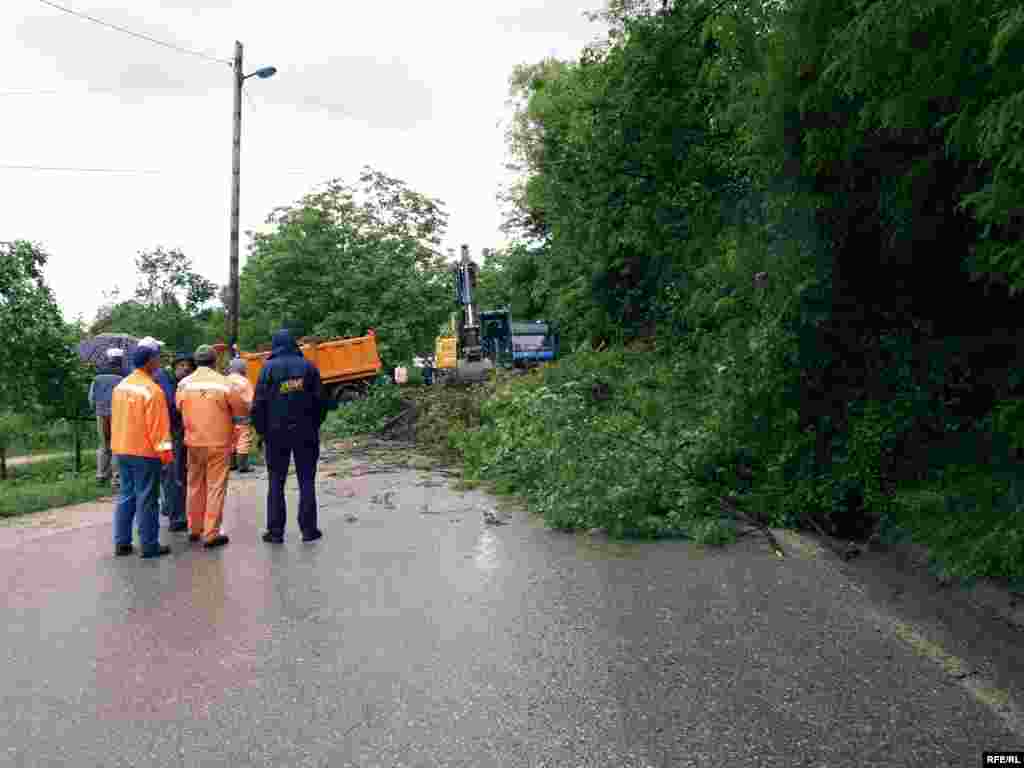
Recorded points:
(140,489)
(174,483)
(280,447)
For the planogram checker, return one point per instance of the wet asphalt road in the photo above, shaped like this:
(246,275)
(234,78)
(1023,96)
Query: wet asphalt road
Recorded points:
(416,635)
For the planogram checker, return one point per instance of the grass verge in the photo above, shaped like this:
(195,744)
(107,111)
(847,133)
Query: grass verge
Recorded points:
(47,484)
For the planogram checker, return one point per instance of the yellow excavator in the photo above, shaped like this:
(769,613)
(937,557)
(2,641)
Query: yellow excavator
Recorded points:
(458,354)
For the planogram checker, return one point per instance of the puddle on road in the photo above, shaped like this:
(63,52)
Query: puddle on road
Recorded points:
(486,549)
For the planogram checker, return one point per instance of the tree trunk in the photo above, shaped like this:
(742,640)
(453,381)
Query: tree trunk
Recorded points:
(3,462)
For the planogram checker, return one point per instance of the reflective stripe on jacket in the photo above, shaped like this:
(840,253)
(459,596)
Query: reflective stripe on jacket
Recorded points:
(139,424)
(209,405)
(245,390)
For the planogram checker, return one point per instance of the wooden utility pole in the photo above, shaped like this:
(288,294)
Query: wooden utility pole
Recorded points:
(236,162)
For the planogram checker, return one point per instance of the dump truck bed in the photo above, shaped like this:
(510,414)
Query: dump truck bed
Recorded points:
(339,360)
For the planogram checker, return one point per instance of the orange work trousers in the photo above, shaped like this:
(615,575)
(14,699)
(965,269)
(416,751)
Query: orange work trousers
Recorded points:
(207,487)
(243,439)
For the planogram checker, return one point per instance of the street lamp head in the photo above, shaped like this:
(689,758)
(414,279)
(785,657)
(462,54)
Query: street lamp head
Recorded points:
(265,72)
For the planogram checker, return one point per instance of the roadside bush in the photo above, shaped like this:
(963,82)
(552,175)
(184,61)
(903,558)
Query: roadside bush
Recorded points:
(589,443)
(369,414)
(970,518)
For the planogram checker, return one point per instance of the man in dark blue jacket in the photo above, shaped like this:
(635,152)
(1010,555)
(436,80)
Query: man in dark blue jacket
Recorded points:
(287,411)
(172,501)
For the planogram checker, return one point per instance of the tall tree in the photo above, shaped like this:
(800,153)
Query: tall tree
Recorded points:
(347,258)
(171,302)
(37,358)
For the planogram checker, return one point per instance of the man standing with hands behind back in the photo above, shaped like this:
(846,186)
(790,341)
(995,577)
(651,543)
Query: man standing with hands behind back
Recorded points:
(287,411)
(140,437)
(209,405)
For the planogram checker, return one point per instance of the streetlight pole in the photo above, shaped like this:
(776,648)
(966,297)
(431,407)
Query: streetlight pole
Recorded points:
(236,187)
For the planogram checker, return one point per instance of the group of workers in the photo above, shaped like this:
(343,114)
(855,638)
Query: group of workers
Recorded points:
(167,439)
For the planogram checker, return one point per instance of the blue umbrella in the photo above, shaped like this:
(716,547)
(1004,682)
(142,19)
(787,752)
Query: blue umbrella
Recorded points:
(94,350)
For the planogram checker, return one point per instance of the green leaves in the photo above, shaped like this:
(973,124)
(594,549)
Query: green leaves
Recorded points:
(171,303)
(347,258)
(35,346)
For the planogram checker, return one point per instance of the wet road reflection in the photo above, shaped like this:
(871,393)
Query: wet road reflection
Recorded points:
(412,637)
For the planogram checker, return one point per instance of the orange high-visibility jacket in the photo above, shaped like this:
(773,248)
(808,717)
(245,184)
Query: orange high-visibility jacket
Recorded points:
(209,406)
(139,423)
(247,392)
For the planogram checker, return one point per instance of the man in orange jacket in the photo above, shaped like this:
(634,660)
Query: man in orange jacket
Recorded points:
(209,406)
(243,435)
(140,437)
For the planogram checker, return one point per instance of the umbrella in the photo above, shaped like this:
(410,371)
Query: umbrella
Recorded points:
(94,350)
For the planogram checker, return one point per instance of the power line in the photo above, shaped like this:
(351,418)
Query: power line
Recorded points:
(28,93)
(5,166)
(60,93)
(136,34)
(68,169)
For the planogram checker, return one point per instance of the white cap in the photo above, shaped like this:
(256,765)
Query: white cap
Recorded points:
(150,342)
(112,353)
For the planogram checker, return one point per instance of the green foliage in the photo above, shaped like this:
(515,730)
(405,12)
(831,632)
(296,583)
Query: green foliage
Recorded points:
(515,278)
(714,532)
(35,342)
(40,375)
(15,429)
(367,415)
(585,462)
(171,303)
(348,258)
(47,484)
(971,519)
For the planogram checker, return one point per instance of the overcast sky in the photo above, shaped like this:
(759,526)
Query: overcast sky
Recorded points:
(414,89)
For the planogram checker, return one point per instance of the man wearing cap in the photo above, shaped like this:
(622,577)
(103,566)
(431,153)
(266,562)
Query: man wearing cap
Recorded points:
(209,406)
(141,440)
(169,386)
(243,439)
(100,392)
(175,478)
(287,411)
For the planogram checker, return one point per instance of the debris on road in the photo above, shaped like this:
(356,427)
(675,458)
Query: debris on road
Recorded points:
(386,499)
(351,517)
(492,518)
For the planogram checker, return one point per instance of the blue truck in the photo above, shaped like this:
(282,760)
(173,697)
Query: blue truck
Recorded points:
(518,344)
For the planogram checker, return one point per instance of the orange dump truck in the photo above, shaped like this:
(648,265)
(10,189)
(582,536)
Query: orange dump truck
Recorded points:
(346,365)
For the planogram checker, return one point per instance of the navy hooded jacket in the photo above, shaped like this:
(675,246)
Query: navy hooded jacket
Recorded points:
(170,388)
(289,394)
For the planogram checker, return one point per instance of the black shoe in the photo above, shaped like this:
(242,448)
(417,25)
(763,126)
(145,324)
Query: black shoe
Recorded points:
(160,551)
(216,541)
(273,538)
(317,534)
(123,549)
(177,527)
(234,461)
(194,537)
(243,463)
